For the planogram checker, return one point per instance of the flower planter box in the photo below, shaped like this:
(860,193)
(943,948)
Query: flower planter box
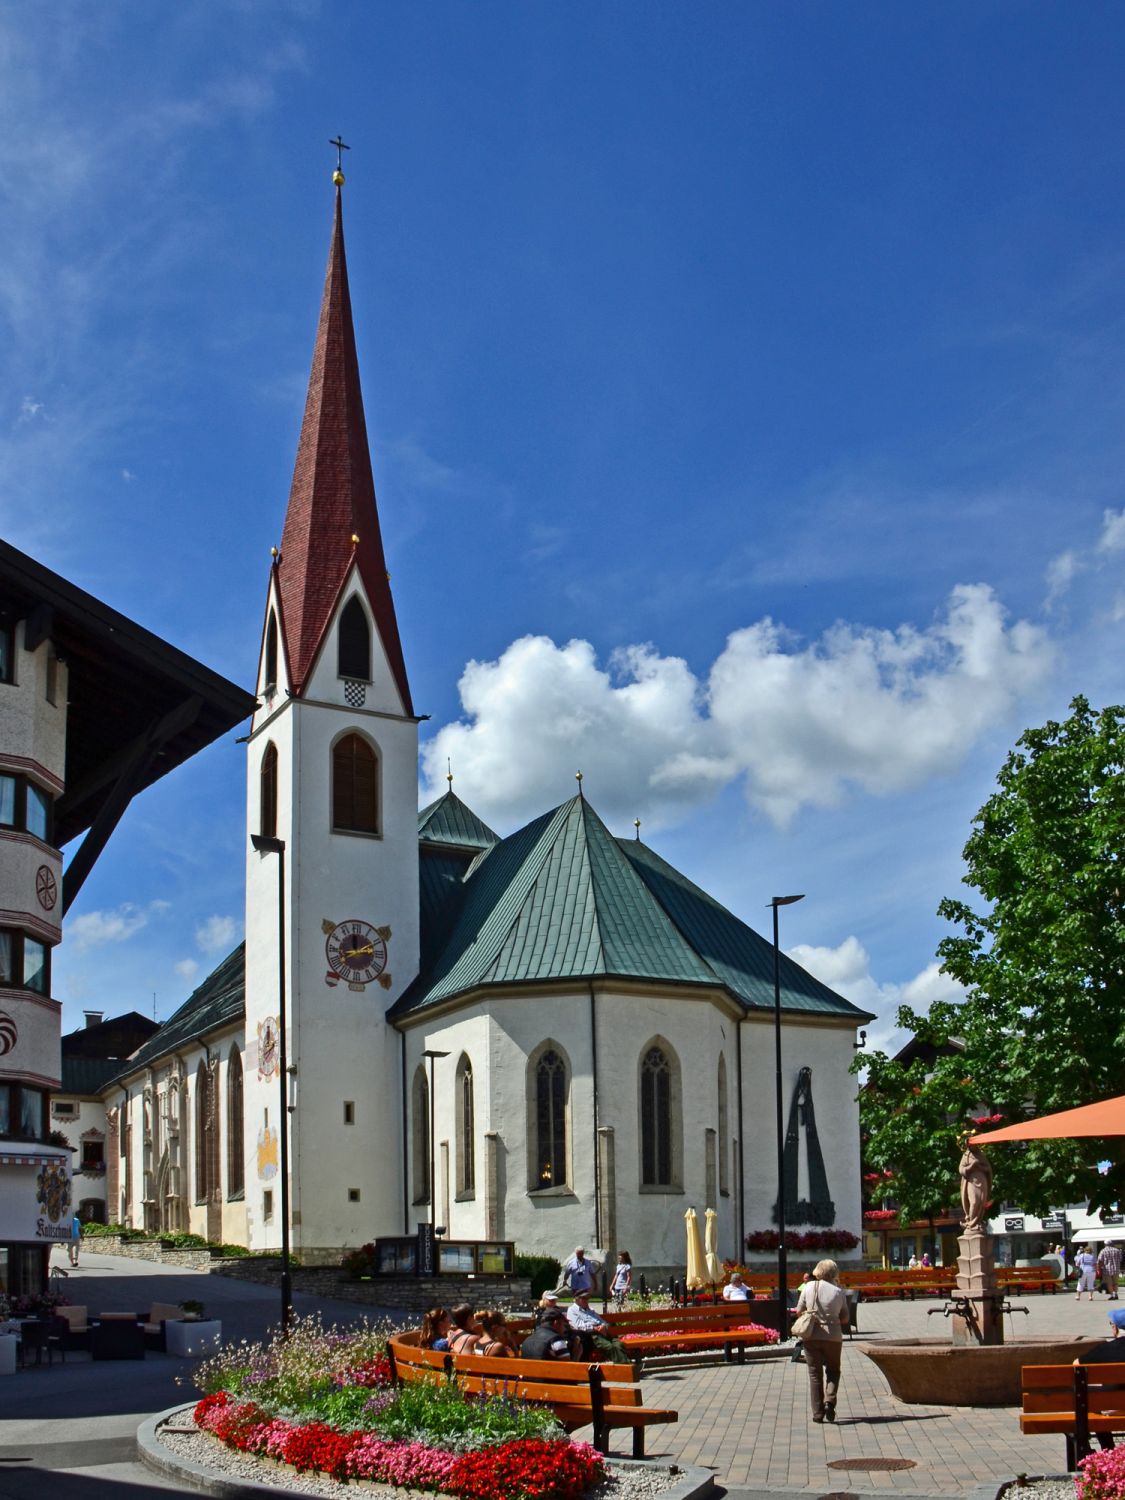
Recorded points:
(193,1338)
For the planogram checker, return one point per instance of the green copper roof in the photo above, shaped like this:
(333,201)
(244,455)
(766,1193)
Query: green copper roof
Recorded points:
(449,821)
(742,960)
(557,900)
(219,1001)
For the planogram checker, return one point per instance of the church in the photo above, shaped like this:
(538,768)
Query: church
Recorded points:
(551,1038)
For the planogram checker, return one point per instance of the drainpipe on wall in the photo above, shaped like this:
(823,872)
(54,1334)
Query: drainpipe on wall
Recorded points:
(741,1174)
(405,1142)
(594,1068)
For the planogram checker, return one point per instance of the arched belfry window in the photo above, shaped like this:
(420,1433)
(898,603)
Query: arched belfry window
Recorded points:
(420,1109)
(267,804)
(549,1090)
(466,1129)
(355,785)
(271,652)
(660,1116)
(354,641)
(236,1181)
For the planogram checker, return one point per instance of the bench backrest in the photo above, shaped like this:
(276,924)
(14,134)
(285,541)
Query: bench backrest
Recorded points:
(557,1382)
(1091,1390)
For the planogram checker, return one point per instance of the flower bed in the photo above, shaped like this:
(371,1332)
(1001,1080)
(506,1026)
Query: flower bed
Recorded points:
(323,1401)
(1102,1476)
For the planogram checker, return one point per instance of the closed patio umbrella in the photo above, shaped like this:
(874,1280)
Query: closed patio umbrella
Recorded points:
(714,1265)
(695,1262)
(1106,1118)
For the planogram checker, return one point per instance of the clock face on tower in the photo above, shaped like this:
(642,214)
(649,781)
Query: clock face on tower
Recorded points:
(357,953)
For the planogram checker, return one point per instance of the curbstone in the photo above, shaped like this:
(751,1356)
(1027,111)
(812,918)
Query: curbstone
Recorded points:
(696,1483)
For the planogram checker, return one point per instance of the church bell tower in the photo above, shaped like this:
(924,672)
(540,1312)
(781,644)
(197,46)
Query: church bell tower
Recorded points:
(332,776)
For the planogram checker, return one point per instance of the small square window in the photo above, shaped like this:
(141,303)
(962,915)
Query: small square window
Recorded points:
(349,1111)
(267,1205)
(353,1195)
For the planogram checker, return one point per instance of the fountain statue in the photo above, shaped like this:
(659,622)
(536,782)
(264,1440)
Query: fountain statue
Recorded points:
(975,1366)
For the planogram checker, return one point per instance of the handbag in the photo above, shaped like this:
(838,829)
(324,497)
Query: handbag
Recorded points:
(811,1322)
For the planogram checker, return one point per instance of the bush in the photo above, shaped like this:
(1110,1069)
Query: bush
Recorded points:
(361,1262)
(182,1240)
(544,1271)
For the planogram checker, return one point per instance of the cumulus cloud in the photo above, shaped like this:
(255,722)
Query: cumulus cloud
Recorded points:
(847,968)
(795,723)
(94,929)
(216,935)
(1064,568)
(1112,538)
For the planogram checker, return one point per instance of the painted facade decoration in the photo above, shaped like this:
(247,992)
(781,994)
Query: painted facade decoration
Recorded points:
(9,1033)
(804,1168)
(267,1153)
(52,1195)
(269,1057)
(357,953)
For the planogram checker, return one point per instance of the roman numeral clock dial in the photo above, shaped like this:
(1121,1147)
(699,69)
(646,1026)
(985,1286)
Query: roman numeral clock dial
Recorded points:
(357,953)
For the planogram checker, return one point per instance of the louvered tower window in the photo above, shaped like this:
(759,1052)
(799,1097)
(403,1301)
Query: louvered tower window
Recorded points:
(271,653)
(267,808)
(355,786)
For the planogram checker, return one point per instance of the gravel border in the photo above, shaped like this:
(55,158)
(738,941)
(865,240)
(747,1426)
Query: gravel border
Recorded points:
(1033,1487)
(200,1460)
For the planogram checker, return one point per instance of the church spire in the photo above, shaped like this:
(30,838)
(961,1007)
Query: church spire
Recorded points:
(332,519)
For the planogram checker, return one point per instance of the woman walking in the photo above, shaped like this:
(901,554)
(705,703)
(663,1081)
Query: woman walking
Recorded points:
(827,1304)
(622,1278)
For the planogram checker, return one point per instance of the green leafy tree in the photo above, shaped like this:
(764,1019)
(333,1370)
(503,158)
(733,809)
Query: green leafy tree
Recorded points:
(1042,1025)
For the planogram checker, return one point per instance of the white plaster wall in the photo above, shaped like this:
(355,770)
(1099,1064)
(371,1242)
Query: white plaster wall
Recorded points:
(91,1116)
(827,1048)
(339,1042)
(468,1033)
(31,729)
(21,857)
(36,1054)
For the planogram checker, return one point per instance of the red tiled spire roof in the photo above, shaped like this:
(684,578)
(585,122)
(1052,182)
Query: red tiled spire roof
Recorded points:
(332,497)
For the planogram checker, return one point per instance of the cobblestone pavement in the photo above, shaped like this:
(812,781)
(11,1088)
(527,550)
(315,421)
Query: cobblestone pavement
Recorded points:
(72,1426)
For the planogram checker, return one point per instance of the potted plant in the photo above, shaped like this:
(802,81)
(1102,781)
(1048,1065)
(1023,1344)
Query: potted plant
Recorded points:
(192,1310)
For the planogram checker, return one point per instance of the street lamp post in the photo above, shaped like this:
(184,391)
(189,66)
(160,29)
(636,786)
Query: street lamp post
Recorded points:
(782,1261)
(268,845)
(433,1055)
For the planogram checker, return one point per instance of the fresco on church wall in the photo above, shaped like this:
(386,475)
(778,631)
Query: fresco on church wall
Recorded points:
(267,1153)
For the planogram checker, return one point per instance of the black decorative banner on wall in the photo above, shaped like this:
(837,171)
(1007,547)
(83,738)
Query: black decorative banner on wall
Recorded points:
(818,1207)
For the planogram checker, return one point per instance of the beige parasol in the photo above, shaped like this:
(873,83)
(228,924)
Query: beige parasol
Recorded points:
(695,1262)
(714,1266)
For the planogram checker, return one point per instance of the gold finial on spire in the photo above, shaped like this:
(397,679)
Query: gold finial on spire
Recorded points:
(273,552)
(338,174)
(449,773)
(578,778)
(637,826)
(355,539)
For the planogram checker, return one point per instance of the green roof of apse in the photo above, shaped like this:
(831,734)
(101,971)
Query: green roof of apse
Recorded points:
(450,821)
(557,900)
(740,957)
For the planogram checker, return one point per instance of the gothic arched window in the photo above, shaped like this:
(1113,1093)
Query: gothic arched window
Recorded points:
(202,1133)
(354,642)
(271,653)
(549,1154)
(660,1104)
(421,1136)
(466,1149)
(267,799)
(355,786)
(236,1180)
(724,1129)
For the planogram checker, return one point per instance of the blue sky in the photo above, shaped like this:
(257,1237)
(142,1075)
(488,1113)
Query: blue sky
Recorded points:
(745,386)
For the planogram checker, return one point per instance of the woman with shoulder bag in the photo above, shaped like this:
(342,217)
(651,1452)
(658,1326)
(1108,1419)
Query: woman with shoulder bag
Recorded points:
(822,1313)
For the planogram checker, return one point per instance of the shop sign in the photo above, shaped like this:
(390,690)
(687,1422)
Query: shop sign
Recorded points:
(1053,1224)
(1014,1226)
(35,1201)
(1113,1218)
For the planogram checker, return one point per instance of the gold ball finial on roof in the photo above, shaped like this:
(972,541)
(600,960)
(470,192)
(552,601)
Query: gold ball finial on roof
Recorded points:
(637,826)
(341,147)
(449,773)
(273,551)
(355,539)
(338,177)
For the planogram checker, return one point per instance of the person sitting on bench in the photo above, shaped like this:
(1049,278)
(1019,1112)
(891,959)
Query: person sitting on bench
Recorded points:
(595,1333)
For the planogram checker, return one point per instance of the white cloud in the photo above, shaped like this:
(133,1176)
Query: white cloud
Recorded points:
(847,969)
(796,725)
(1112,538)
(128,476)
(96,928)
(187,968)
(216,935)
(29,409)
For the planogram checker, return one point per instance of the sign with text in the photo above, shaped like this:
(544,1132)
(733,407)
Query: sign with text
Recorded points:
(1014,1226)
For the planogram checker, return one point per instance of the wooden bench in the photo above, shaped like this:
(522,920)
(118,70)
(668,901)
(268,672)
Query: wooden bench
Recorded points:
(1075,1400)
(1027,1279)
(719,1325)
(603,1397)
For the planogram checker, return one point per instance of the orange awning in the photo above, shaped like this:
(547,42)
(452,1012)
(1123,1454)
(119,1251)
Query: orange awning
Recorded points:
(1104,1119)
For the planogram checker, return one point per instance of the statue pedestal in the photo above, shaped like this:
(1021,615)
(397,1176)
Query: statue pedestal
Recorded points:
(980,1320)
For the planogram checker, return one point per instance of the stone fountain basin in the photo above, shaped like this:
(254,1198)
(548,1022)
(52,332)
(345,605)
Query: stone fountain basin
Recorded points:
(926,1372)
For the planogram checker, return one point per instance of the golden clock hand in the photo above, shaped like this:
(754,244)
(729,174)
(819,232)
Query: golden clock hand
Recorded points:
(358,952)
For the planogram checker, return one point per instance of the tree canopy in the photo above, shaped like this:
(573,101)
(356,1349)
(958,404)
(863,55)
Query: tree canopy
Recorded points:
(1042,1024)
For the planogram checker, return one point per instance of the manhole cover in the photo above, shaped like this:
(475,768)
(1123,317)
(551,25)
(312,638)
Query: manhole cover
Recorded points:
(872,1465)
